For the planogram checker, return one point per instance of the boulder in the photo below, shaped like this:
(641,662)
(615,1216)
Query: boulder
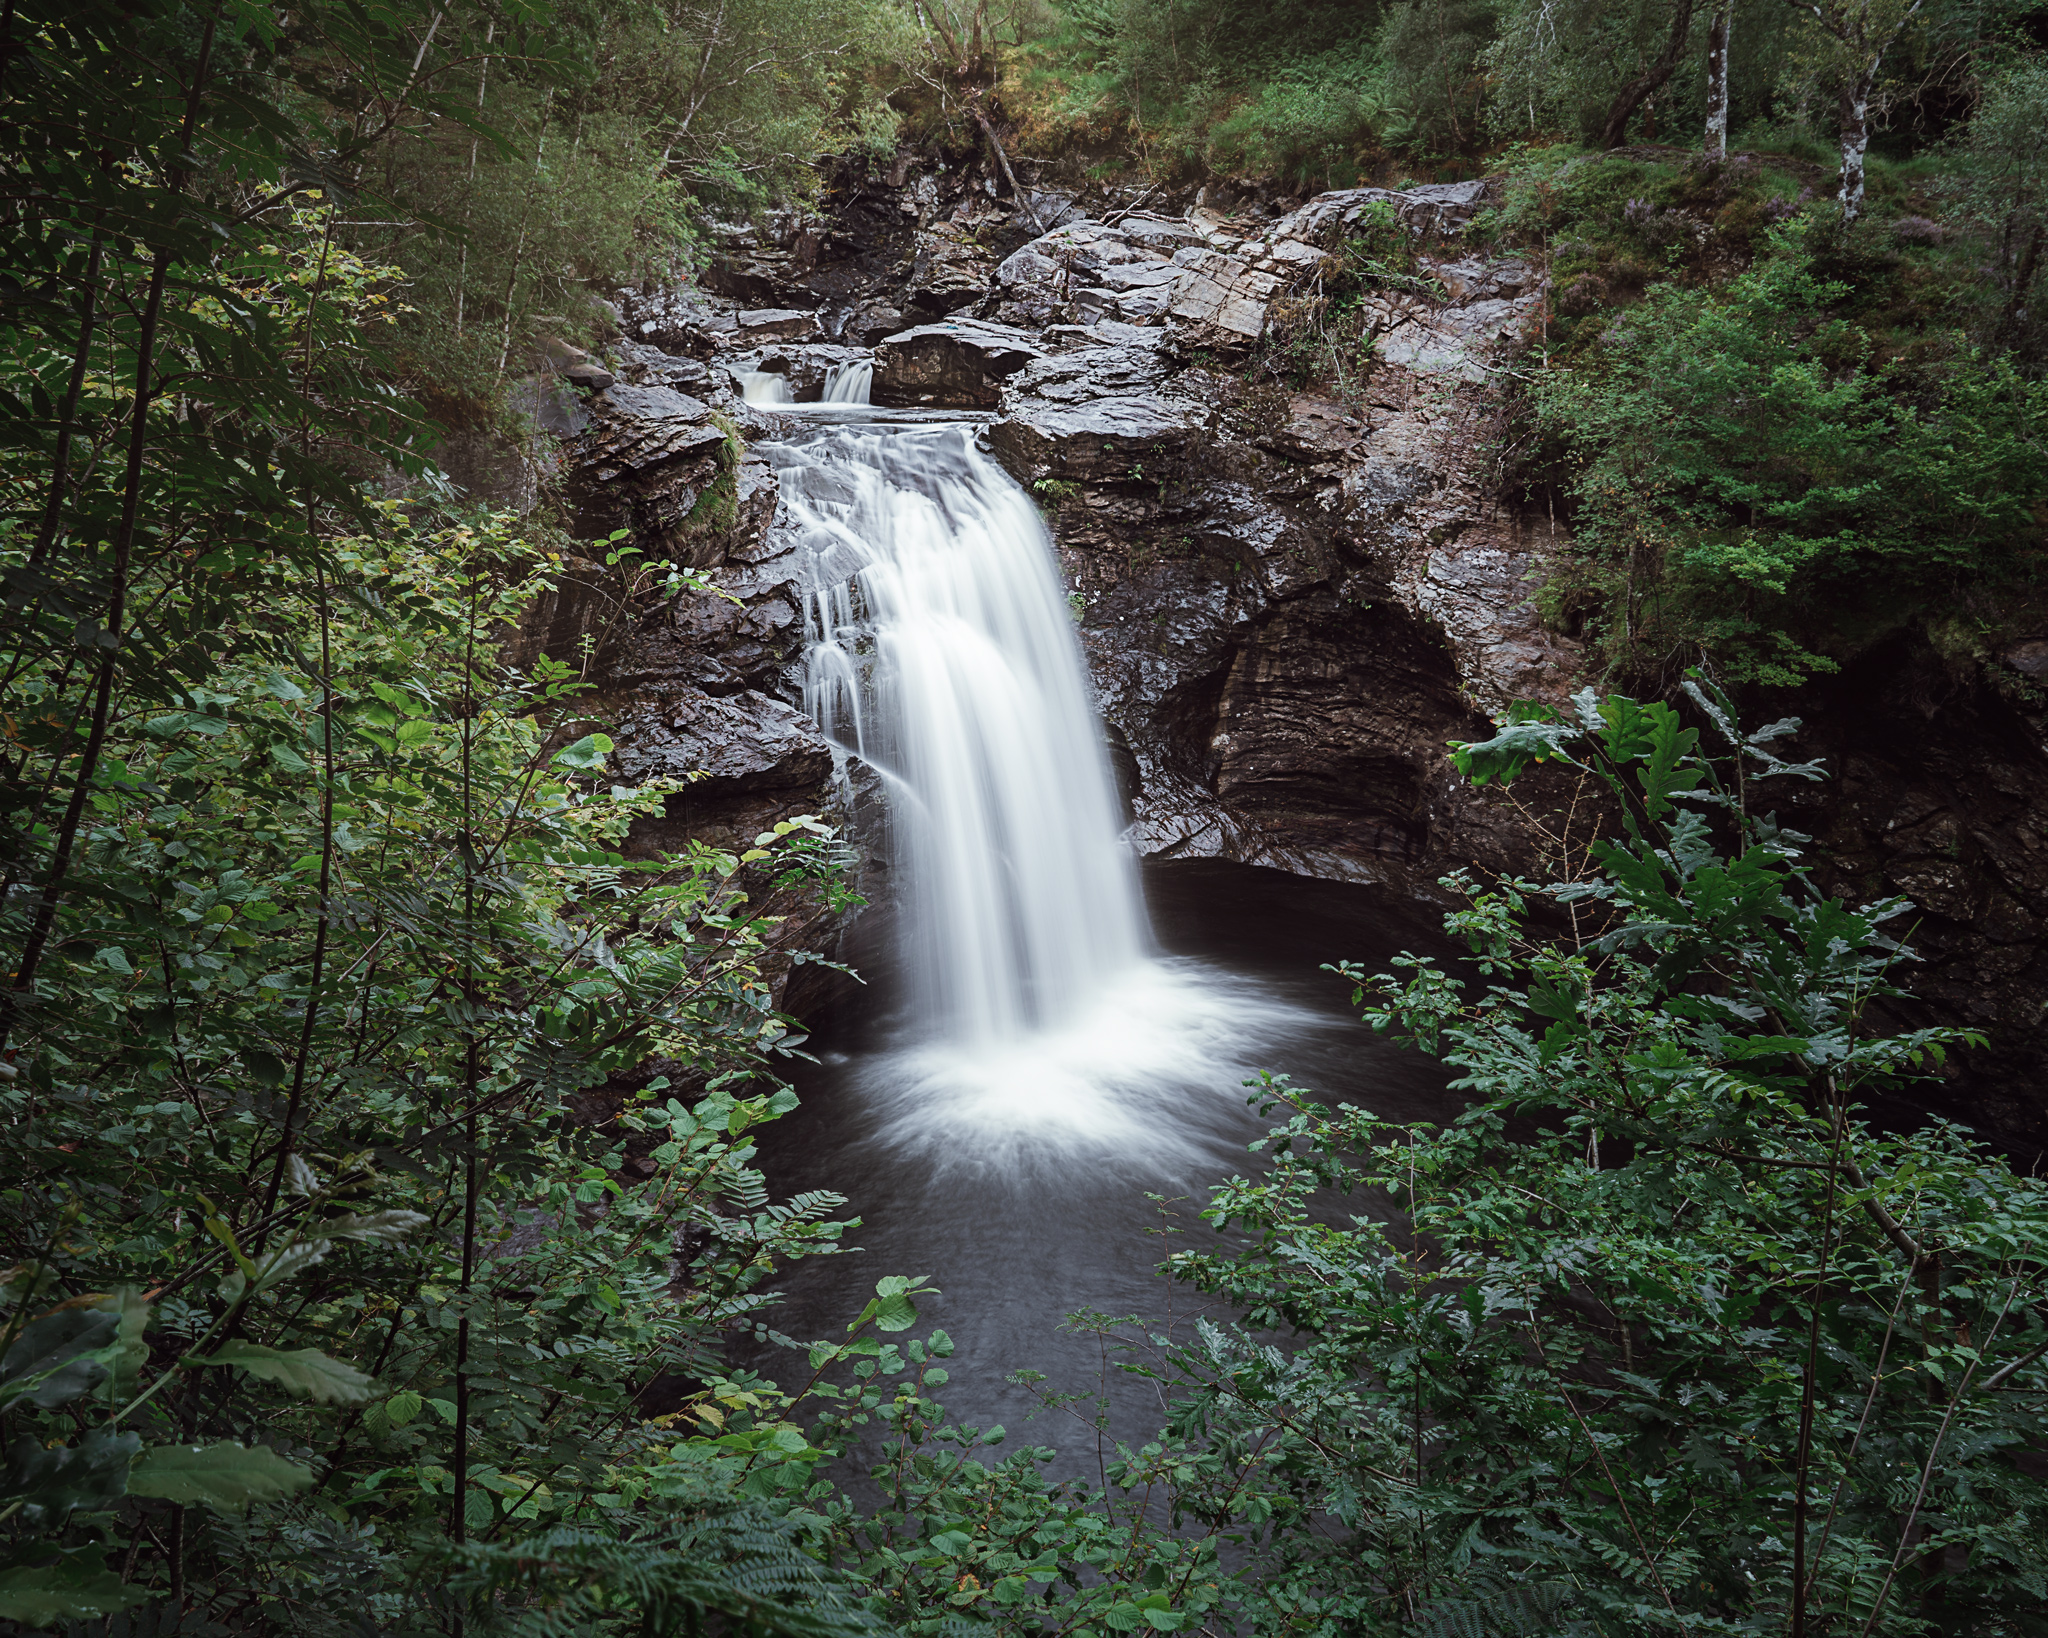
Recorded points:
(587,377)
(683,322)
(552,407)
(558,355)
(762,263)
(959,364)
(755,497)
(1483,278)
(1436,209)
(1031,288)
(748,640)
(1162,235)
(1314,430)
(1459,340)
(644,366)
(1102,409)
(872,321)
(629,403)
(649,462)
(950,270)
(1114,361)
(758,325)
(1090,270)
(747,742)
(1107,437)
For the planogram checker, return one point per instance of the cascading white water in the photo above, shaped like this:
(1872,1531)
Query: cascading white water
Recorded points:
(850,383)
(943,653)
(764,387)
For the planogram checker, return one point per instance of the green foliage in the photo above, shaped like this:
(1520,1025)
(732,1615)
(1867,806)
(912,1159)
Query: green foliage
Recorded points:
(1670,1339)
(1436,79)
(1558,68)
(1752,481)
(610,142)
(968,1537)
(744,1565)
(2000,191)
(333,996)
(1290,90)
(1663,1335)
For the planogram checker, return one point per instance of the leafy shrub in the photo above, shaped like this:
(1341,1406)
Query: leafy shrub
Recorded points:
(1316,127)
(374,1131)
(1666,1338)
(1750,479)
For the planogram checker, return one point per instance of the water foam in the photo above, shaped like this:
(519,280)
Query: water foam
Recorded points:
(1148,1078)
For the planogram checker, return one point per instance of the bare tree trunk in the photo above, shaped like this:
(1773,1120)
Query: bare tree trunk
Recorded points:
(1651,80)
(1855,139)
(1717,80)
(1003,159)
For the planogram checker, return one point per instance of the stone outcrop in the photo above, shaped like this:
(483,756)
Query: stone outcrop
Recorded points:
(958,364)
(1086,271)
(1291,602)
(742,745)
(652,461)
(949,272)
(703,689)
(1289,617)
(1938,791)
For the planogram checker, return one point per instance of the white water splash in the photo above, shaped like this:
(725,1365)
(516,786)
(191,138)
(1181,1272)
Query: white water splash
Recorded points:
(1148,1075)
(764,387)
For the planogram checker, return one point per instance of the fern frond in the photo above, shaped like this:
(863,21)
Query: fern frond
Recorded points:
(1519,1610)
(743,1565)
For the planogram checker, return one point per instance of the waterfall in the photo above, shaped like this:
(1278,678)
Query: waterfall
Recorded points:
(764,387)
(849,383)
(942,653)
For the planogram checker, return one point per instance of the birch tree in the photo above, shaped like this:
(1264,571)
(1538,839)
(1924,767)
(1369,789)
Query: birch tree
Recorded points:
(1857,34)
(1717,80)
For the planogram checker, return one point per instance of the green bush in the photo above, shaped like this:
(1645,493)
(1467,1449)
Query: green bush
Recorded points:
(1751,480)
(374,1132)
(1664,1337)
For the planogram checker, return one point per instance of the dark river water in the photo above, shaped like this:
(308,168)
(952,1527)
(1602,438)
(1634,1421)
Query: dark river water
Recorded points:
(1021,1188)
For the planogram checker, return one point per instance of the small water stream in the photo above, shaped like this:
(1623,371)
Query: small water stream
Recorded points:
(1053,1033)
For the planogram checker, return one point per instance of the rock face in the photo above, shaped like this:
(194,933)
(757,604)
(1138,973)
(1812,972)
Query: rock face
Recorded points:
(1088,271)
(698,688)
(1289,601)
(653,462)
(1938,794)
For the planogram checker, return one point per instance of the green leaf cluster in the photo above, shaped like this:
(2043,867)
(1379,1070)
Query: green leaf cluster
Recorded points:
(1665,1333)
(1752,481)
(355,1068)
